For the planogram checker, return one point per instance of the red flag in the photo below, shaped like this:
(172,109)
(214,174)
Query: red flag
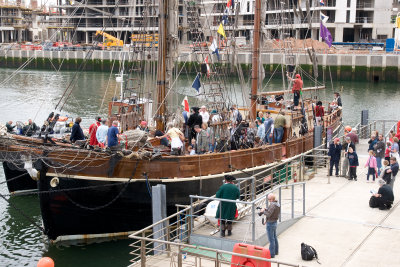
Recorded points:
(185,104)
(229,4)
(208,66)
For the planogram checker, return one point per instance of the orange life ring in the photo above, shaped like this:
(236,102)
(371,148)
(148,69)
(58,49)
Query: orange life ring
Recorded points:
(62,118)
(250,250)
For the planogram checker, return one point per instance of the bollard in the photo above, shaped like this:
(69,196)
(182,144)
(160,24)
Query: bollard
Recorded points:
(159,211)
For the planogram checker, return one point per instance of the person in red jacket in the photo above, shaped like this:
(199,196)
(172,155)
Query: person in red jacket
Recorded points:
(297,86)
(319,113)
(93,131)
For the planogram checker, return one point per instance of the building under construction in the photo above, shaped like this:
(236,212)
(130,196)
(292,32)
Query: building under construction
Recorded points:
(20,23)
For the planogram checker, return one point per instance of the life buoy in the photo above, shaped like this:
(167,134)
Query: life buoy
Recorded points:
(250,250)
(62,118)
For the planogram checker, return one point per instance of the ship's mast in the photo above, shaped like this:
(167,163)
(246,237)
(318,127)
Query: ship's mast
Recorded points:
(255,60)
(161,64)
(167,53)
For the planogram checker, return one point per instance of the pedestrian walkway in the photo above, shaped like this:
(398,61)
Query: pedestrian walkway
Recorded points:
(342,227)
(338,223)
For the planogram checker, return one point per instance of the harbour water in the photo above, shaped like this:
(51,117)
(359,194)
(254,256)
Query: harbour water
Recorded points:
(33,94)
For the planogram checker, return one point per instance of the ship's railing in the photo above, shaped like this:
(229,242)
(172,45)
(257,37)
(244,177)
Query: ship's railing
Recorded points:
(175,230)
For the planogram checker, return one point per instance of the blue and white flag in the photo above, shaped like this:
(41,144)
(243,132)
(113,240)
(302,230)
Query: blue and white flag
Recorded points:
(214,47)
(321,2)
(324,18)
(224,18)
(196,83)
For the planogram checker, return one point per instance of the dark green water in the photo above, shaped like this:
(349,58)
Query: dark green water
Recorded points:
(33,94)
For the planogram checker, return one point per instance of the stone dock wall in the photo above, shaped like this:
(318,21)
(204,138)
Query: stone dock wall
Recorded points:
(367,67)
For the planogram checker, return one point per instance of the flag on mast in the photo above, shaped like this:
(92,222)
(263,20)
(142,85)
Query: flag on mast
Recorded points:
(230,3)
(208,66)
(185,104)
(214,48)
(196,83)
(221,30)
(325,34)
(324,18)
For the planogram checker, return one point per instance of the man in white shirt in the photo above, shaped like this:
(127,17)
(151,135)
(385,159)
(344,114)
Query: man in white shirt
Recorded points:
(204,114)
(102,133)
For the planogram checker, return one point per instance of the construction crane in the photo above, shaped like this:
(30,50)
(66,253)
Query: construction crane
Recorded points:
(109,39)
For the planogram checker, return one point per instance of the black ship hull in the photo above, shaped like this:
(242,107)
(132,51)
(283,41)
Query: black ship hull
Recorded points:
(18,179)
(77,208)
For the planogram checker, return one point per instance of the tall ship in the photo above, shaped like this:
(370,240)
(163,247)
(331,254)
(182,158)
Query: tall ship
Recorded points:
(90,192)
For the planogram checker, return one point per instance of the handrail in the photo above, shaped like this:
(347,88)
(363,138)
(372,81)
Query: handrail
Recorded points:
(246,202)
(218,251)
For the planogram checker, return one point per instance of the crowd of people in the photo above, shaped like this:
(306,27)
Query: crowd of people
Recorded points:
(382,162)
(206,137)
(29,129)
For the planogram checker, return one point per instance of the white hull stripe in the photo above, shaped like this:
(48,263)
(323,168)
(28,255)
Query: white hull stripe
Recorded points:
(167,180)
(88,237)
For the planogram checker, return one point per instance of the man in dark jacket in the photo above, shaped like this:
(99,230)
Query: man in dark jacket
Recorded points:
(379,149)
(384,198)
(9,126)
(76,132)
(272,216)
(194,119)
(227,210)
(334,152)
(30,128)
(394,169)
(345,166)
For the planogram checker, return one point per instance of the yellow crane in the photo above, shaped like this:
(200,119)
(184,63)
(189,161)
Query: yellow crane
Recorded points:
(109,39)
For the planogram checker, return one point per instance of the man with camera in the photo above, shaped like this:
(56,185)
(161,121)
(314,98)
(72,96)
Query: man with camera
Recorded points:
(272,215)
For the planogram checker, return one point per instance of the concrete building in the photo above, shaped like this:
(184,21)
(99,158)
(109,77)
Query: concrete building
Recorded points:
(349,20)
(19,23)
(78,22)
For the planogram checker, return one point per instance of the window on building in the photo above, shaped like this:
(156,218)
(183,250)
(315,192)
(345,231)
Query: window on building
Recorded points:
(348,16)
(348,3)
(248,6)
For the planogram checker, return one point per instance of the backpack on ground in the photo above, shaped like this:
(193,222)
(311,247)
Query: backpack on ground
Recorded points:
(372,202)
(308,253)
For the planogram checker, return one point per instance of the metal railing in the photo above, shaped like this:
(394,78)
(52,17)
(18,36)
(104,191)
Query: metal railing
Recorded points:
(365,5)
(178,251)
(176,229)
(250,207)
(382,126)
(364,19)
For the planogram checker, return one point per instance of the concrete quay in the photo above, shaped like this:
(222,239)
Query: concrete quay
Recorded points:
(371,67)
(338,223)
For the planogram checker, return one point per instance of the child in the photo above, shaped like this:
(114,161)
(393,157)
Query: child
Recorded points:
(353,163)
(192,147)
(387,151)
(372,166)
(191,151)
(386,176)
